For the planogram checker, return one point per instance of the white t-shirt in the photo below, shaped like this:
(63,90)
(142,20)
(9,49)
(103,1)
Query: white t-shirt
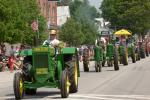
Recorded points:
(54,42)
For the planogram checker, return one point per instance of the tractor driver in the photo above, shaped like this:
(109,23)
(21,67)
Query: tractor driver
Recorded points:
(52,40)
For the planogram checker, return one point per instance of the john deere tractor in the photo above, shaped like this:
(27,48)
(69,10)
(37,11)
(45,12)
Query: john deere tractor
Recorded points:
(102,53)
(131,49)
(46,66)
(111,51)
(98,56)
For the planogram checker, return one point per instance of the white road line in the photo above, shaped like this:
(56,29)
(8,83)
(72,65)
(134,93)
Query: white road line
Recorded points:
(85,97)
(7,97)
(142,97)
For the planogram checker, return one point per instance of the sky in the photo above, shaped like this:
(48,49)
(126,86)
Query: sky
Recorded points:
(95,3)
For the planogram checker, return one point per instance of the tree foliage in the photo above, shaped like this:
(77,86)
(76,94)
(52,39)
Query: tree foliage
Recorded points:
(131,14)
(71,33)
(16,18)
(82,15)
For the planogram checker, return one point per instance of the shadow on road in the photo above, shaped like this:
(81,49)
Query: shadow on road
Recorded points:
(39,95)
(91,71)
(110,70)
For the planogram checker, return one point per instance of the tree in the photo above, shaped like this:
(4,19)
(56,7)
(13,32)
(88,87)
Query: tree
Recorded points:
(80,28)
(71,33)
(15,20)
(131,14)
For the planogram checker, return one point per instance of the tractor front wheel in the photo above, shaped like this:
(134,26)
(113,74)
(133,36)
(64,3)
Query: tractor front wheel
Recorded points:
(64,84)
(18,85)
(73,77)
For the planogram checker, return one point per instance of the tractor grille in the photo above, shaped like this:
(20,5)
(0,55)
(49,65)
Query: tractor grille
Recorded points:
(40,60)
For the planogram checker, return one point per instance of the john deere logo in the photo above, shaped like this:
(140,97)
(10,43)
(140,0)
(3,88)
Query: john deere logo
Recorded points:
(41,49)
(41,71)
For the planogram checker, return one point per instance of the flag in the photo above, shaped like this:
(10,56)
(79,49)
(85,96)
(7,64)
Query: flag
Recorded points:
(34,25)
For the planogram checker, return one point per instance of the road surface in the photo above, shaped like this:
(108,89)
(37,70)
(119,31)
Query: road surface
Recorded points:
(131,82)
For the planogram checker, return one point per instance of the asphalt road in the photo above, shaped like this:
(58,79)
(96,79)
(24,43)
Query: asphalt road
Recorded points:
(131,82)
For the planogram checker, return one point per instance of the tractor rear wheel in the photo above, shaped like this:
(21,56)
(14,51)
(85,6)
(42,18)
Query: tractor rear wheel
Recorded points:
(142,53)
(109,63)
(1,67)
(103,63)
(73,76)
(18,85)
(147,54)
(125,58)
(133,57)
(98,66)
(139,57)
(116,63)
(64,84)
(85,66)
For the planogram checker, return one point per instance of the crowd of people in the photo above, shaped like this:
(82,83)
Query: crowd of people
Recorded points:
(12,60)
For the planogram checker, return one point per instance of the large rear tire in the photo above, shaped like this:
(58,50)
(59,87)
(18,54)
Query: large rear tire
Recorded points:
(86,66)
(1,67)
(125,58)
(98,66)
(147,54)
(116,62)
(103,63)
(109,63)
(64,84)
(73,76)
(142,53)
(18,85)
(133,56)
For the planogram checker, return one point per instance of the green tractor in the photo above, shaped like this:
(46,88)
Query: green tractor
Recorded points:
(111,56)
(142,50)
(123,54)
(97,57)
(126,51)
(102,53)
(44,66)
(131,49)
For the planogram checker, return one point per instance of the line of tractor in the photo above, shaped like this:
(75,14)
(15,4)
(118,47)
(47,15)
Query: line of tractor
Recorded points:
(58,67)
(113,49)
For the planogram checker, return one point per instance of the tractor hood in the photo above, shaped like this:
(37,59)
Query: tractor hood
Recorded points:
(26,52)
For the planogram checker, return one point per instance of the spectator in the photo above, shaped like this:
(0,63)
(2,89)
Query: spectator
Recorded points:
(17,49)
(81,53)
(3,48)
(11,59)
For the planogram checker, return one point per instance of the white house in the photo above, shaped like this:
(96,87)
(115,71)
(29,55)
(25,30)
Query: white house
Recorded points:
(63,13)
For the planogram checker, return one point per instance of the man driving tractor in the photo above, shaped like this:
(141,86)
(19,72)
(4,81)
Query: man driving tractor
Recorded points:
(52,40)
